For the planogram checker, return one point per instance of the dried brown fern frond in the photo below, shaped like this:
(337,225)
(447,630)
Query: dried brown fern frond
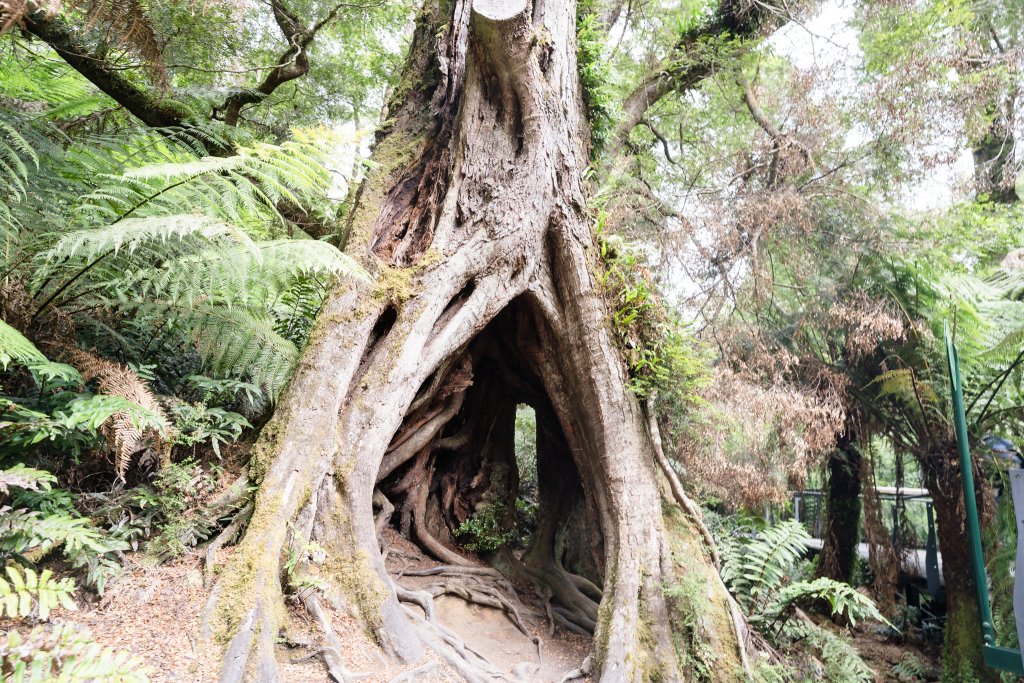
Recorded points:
(12,12)
(128,25)
(125,22)
(122,435)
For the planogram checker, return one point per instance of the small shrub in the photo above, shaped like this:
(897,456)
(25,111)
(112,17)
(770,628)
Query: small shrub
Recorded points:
(486,529)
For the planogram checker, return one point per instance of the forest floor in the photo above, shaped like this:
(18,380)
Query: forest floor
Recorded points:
(907,662)
(155,611)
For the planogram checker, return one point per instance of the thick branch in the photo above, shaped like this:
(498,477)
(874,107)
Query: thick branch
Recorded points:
(292,64)
(146,103)
(694,57)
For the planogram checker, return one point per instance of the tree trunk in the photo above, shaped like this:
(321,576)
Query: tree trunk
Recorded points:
(475,221)
(842,513)
(961,649)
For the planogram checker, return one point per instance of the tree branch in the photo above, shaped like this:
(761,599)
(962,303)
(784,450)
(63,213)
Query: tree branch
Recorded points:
(694,57)
(146,103)
(292,64)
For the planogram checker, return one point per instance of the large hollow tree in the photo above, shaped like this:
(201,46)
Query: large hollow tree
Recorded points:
(475,222)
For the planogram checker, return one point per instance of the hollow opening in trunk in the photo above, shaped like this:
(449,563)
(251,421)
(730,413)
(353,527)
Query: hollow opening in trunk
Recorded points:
(481,473)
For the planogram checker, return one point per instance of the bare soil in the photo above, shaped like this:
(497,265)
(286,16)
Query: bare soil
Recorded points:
(154,612)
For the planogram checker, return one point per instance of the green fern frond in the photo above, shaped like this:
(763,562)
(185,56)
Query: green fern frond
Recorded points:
(14,347)
(131,233)
(66,653)
(24,592)
(16,156)
(1008,282)
(843,599)
(756,566)
(244,188)
(234,277)
(842,662)
(242,343)
(903,385)
(26,478)
(29,529)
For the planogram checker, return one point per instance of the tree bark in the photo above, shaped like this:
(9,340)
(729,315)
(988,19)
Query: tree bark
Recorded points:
(842,513)
(477,209)
(961,649)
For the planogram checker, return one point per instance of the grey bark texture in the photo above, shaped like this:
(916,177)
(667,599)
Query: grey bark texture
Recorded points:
(477,209)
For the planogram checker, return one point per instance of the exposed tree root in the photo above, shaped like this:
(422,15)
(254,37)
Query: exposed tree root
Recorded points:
(255,631)
(683,500)
(332,651)
(577,597)
(739,622)
(581,672)
(469,587)
(414,675)
(226,536)
(450,570)
(381,520)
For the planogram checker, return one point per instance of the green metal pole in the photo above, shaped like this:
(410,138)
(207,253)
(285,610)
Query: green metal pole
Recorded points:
(996,657)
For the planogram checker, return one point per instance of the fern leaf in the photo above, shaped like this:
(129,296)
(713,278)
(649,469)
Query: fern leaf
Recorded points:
(14,347)
(122,431)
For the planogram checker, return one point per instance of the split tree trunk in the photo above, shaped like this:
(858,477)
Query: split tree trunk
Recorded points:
(475,222)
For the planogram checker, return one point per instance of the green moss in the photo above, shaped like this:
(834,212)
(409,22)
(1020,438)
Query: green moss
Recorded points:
(961,649)
(393,152)
(394,284)
(266,448)
(702,628)
(238,588)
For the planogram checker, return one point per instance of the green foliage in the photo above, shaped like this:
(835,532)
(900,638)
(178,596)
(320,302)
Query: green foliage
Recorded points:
(596,76)
(909,670)
(64,653)
(27,593)
(761,566)
(196,423)
(843,599)
(487,529)
(26,478)
(840,661)
(174,503)
(757,564)
(26,532)
(15,348)
(526,450)
(660,356)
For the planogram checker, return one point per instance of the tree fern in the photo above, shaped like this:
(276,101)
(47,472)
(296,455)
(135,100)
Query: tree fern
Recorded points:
(14,347)
(17,157)
(244,188)
(63,92)
(235,341)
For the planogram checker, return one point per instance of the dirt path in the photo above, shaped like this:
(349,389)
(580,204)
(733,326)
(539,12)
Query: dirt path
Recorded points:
(154,612)
(489,630)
